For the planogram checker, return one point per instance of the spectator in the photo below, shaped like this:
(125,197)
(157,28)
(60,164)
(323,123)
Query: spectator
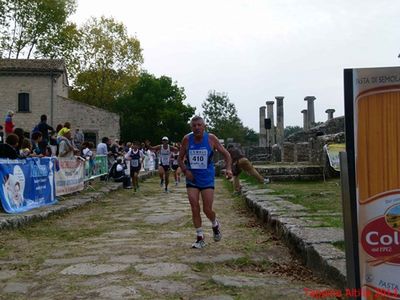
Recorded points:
(9,149)
(44,128)
(21,136)
(1,135)
(35,140)
(58,128)
(102,148)
(9,125)
(67,125)
(53,143)
(26,148)
(117,172)
(66,149)
(86,152)
(78,138)
(127,147)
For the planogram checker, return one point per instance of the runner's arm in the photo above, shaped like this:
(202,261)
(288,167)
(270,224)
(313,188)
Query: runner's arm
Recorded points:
(228,160)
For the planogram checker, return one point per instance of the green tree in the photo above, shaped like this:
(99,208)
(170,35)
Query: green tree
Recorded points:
(221,117)
(154,108)
(27,26)
(291,129)
(108,62)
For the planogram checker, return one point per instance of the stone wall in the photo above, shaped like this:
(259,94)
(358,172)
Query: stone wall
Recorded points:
(288,152)
(85,117)
(88,118)
(256,153)
(333,126)
(302,152)
(39,89)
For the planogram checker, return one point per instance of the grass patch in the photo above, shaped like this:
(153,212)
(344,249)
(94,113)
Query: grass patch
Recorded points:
(340,245)
(315,196)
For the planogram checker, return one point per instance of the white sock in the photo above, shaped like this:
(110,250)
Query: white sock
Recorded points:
(199,232)
(214,223)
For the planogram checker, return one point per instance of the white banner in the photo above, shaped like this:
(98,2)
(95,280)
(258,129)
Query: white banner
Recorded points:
(69,176)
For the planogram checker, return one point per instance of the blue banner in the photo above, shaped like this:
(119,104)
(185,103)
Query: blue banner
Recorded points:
(26,183)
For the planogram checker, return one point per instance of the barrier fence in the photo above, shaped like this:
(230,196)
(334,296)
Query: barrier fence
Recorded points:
(34,182)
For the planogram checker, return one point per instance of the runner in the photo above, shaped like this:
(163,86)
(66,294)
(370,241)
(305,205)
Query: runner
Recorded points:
(165,156)
(136,159)
(199,147)
(175,165)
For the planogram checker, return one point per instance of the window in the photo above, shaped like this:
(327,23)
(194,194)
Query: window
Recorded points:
(23,102)
(90,137)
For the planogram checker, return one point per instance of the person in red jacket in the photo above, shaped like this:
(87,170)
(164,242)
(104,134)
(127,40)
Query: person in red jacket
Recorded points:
(9,125)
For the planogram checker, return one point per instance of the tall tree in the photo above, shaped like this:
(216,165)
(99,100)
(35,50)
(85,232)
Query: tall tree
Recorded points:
(26,26)
(153,108)
(221,117)
(108,62)
(218,110)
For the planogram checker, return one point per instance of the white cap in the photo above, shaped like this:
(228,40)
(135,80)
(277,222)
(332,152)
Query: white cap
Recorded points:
(165,138)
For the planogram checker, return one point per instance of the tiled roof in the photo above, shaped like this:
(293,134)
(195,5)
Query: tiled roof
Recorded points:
(32,65)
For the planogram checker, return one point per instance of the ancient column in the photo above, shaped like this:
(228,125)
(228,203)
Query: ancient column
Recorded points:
(310,110)
(330,112)
(270,132)
(279,120)
(305,119)
(263,132)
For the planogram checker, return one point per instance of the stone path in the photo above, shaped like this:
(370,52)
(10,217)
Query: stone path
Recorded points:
(137,246)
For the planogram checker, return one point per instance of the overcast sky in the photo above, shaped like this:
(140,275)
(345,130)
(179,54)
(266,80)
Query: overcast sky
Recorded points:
(254,50)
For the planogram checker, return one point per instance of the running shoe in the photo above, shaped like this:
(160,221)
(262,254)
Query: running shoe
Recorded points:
(176,183)
(217,233)
(266,180)
(166,190)
(199,243)
(161,182)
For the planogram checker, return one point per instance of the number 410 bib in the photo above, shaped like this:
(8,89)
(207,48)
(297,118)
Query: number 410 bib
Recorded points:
(198,159)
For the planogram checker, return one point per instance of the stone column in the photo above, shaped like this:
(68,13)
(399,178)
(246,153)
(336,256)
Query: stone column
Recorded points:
(279,120)
(310,110)
(330,112)
(305,119)
(270,115)
(263,132)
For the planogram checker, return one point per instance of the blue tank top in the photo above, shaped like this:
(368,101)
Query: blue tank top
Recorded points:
(200,162)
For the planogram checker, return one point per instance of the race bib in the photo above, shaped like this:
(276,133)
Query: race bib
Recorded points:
(135,163)
(198,159)
(165,160)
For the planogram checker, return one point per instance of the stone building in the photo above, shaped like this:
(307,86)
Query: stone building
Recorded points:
(33,87)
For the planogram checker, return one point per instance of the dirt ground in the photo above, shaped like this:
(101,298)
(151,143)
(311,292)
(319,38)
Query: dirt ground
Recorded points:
(137,245)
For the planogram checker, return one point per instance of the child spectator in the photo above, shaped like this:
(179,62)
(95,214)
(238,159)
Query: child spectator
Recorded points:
(26,148)
(9,125)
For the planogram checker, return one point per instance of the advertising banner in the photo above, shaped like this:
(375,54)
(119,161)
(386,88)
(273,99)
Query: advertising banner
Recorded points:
(373,139)
(26,183)
(333,150)
(69,176)
(96,167)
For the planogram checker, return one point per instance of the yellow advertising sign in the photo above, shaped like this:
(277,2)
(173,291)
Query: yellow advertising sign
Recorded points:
(377,173)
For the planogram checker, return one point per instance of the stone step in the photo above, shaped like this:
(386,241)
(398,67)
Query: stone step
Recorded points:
(290,177)
(289,170)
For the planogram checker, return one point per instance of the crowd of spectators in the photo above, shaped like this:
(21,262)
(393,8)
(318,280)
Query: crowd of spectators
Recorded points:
(45,141)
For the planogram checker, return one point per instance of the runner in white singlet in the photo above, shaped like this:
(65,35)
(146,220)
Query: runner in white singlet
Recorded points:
(164,156)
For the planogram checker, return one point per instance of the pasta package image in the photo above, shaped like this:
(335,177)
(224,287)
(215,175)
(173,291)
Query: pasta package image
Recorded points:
(377,177)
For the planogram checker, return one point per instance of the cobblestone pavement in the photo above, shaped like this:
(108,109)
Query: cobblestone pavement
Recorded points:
(131,245)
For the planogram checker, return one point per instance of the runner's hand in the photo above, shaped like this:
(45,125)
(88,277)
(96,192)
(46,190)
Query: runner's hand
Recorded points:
(189,175)
(228,174)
